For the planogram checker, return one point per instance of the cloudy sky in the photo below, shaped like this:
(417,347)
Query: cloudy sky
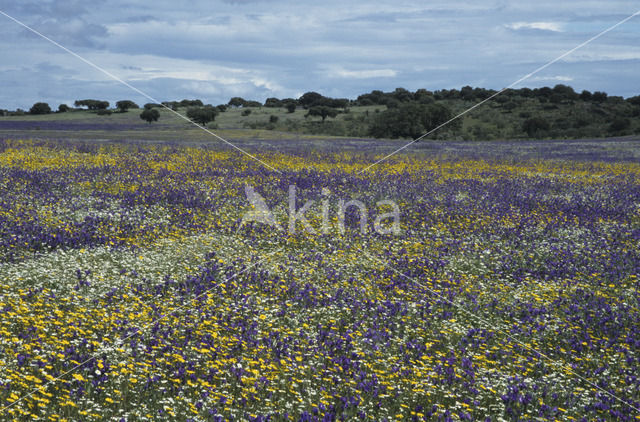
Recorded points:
(255,49)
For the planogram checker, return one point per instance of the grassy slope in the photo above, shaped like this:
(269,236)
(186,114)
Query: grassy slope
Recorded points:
(494,120)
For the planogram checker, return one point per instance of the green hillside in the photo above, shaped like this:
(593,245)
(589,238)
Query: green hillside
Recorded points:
(541,113)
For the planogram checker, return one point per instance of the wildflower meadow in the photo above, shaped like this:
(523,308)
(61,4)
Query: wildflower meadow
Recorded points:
(133,287)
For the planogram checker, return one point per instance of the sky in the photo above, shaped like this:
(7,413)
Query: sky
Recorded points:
(255,49)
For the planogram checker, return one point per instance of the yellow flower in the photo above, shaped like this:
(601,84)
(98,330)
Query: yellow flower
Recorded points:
(79,377)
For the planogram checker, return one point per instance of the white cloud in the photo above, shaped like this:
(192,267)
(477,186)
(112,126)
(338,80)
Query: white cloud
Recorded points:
(363,74)
(542,26)
(558,78)
(606,55)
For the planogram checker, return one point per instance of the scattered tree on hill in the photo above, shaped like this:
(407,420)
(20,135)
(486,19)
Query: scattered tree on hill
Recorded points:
(586,95)
(149,106)
(173,105)
(634,100)
(423,96)
(313,99)
(467,94)
(246,112)
(375,97)
(125,105)
(237,102)
(599,97)
(402,95)
(221,108)
(322,111)
(63,108)
(150,115)
(290,106)
(191,103)
(565,92)
(92,104)
(40,108)
(309,99)
(202,115)
(272,102)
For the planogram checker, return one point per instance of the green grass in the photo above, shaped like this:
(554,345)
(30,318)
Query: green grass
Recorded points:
(501,118)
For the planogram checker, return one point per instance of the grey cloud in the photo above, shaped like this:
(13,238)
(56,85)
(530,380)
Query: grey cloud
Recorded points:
(294,45)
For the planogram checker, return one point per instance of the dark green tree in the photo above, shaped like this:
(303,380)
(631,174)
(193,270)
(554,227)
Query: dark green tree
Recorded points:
(190,103)
(92,104)
(150,115)
(599,96)
(634,100)
(310,99)
(411,120)
(202,115)
(586,95)
(565,92)
(619,126)
(63,108)
(124,105)
(322,111)
(272,102)
(40,108)
(237,102)
(467,94)
(535,126)
(423,96)
(173,105)
(402,95)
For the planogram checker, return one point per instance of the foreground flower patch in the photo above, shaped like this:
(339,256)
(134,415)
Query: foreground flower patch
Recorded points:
(130,290)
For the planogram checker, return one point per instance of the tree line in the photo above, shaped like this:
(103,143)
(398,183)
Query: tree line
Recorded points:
(539,112)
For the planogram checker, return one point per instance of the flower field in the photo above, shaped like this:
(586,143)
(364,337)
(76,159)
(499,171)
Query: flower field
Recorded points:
(130,290)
